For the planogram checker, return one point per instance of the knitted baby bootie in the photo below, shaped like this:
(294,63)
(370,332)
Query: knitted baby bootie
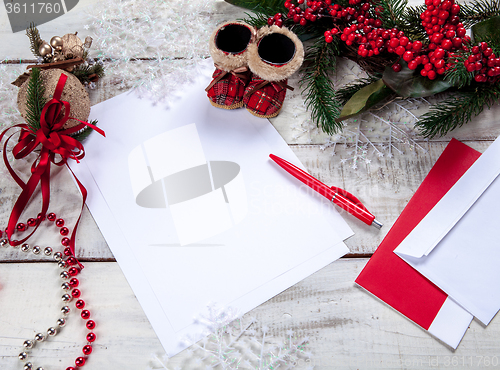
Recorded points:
(273,58)
(229,48)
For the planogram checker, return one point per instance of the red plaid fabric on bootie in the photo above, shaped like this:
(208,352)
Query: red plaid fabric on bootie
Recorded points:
(277,54)
(228,47)
(227,88)
(264,98)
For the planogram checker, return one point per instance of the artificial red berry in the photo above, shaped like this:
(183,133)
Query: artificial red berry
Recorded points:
(394,42)
(407,56)
(400,50)
(413,65)
(446,44)
(439,63)
(396,67)
(439,53)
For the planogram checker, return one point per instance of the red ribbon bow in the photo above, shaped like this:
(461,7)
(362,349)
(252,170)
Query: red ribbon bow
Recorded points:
(54,140)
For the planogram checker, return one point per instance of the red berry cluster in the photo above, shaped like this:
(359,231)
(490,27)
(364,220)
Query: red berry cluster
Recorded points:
(357,24)
(313,11)
(484,62)
(446,35)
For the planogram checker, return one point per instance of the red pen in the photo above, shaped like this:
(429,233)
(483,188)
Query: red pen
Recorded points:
(340,197)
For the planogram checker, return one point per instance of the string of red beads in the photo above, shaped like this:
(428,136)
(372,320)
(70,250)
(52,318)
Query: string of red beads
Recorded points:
(72,284)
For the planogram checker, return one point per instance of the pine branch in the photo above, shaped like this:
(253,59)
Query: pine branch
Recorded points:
(391,12)
(346,92)
(35,39)
(411,24)
(268,7)
(457,75)
(457,110)
(318,87)
(256,19)
(35,100)
(84,72)
(477,11)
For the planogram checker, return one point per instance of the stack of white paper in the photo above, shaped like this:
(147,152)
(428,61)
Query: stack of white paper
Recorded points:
(196,213)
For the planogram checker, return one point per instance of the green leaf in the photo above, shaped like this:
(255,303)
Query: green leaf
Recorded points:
(364,99)
(410,84)
(486,30)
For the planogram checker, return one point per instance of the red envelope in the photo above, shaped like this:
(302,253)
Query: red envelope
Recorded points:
(395,282)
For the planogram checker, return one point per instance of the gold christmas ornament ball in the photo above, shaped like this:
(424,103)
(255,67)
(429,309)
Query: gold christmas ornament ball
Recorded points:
(72,46)
(45,49)
(74,93)
(56,42)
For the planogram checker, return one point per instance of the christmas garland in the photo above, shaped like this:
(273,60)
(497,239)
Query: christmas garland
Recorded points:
(407,52)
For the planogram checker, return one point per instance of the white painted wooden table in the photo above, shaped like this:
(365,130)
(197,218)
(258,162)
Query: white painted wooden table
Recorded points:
(347,328)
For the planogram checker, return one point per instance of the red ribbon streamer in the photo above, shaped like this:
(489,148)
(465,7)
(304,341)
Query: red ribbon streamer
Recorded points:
(54,140)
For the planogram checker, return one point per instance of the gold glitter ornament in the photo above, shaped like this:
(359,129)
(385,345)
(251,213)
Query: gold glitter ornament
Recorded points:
(45,49)
(57,43)
(72,46)
(74,93)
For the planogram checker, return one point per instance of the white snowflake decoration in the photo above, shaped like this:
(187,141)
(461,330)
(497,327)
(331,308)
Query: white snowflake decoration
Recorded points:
(142,42)
(237,343)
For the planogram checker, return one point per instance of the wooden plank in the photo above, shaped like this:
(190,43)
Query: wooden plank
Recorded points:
(385,186)
(347,327)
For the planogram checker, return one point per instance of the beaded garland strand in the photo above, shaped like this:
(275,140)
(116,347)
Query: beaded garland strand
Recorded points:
(70,283)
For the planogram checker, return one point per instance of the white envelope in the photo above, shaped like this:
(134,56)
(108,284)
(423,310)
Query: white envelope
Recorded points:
(456,245)
(235,238)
